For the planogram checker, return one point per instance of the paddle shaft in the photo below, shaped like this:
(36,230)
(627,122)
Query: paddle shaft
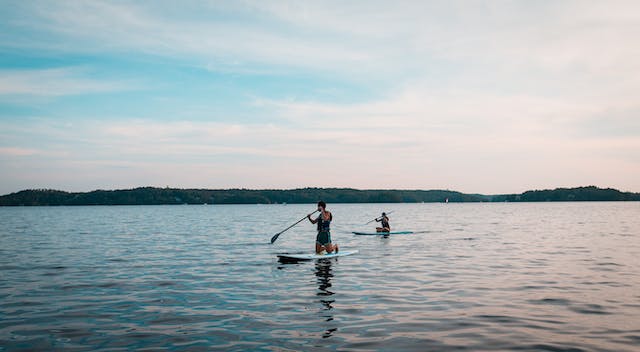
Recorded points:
(379,217)
(275,237)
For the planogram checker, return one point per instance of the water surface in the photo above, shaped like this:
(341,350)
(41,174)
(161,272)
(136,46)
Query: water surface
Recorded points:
(537,276)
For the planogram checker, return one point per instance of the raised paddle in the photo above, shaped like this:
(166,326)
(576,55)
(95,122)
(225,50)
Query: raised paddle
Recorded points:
(379,217)
(275,237)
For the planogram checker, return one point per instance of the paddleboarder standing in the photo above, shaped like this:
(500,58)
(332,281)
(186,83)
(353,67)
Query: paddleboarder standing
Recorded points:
(323,239)
(384,219)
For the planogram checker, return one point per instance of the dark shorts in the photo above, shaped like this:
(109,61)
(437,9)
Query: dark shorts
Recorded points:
(323,238)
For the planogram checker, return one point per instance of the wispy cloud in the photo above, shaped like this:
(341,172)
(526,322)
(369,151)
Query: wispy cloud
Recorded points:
(359,37)
(55,82)
(109,26)
(292,156)
(13,151)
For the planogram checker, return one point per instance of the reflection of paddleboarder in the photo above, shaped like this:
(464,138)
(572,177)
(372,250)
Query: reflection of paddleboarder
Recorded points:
(324,275)
(384,219)
(323,240)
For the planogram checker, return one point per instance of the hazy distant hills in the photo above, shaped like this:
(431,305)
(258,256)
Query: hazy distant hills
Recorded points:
(152,196)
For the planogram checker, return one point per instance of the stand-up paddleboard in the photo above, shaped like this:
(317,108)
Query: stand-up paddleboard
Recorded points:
(383,233)
(287,256)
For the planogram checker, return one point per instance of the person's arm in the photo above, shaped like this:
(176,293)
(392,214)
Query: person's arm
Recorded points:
(313,221)
(378,219)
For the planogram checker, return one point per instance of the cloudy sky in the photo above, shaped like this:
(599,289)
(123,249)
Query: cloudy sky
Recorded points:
(475,96)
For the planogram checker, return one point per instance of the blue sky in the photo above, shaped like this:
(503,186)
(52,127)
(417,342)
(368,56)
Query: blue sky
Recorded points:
(476,96)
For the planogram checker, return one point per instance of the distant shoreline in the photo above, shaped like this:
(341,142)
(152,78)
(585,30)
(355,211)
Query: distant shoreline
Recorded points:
(169,196)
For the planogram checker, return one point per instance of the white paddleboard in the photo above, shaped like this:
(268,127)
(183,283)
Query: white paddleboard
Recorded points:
(315,256)
(382,233)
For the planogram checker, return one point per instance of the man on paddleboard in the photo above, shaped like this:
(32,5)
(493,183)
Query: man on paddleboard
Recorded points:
(323,239)
(384,219)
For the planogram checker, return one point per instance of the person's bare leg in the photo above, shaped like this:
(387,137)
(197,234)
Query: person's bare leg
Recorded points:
(319,248)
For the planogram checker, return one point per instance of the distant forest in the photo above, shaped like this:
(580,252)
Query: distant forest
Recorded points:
(156,196)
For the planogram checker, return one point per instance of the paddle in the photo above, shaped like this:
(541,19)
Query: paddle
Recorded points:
(379,217)
(275,237)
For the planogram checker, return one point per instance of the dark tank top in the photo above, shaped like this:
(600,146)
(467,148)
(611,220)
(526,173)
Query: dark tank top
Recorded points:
(324,225)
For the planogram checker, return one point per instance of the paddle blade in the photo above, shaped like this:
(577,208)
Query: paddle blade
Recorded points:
(275,237)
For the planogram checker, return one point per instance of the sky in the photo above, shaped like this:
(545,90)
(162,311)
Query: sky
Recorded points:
(475,96)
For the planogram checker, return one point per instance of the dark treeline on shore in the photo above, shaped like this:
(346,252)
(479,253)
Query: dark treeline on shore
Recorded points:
(156,196)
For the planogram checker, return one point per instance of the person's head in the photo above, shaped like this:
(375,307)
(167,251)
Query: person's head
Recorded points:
(384,214)
(322,206)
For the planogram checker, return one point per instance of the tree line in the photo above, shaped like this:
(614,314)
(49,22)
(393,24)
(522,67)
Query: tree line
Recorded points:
(157,196)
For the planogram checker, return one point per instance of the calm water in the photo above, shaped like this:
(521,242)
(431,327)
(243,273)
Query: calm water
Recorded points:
(552,276)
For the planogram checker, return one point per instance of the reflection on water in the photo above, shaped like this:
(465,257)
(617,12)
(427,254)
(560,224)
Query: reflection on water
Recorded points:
(324,275)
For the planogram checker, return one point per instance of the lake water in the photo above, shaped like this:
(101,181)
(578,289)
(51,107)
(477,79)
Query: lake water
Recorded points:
(537,276)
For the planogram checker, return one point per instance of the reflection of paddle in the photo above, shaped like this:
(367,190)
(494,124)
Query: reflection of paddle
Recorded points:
(275,237)
(378,218)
